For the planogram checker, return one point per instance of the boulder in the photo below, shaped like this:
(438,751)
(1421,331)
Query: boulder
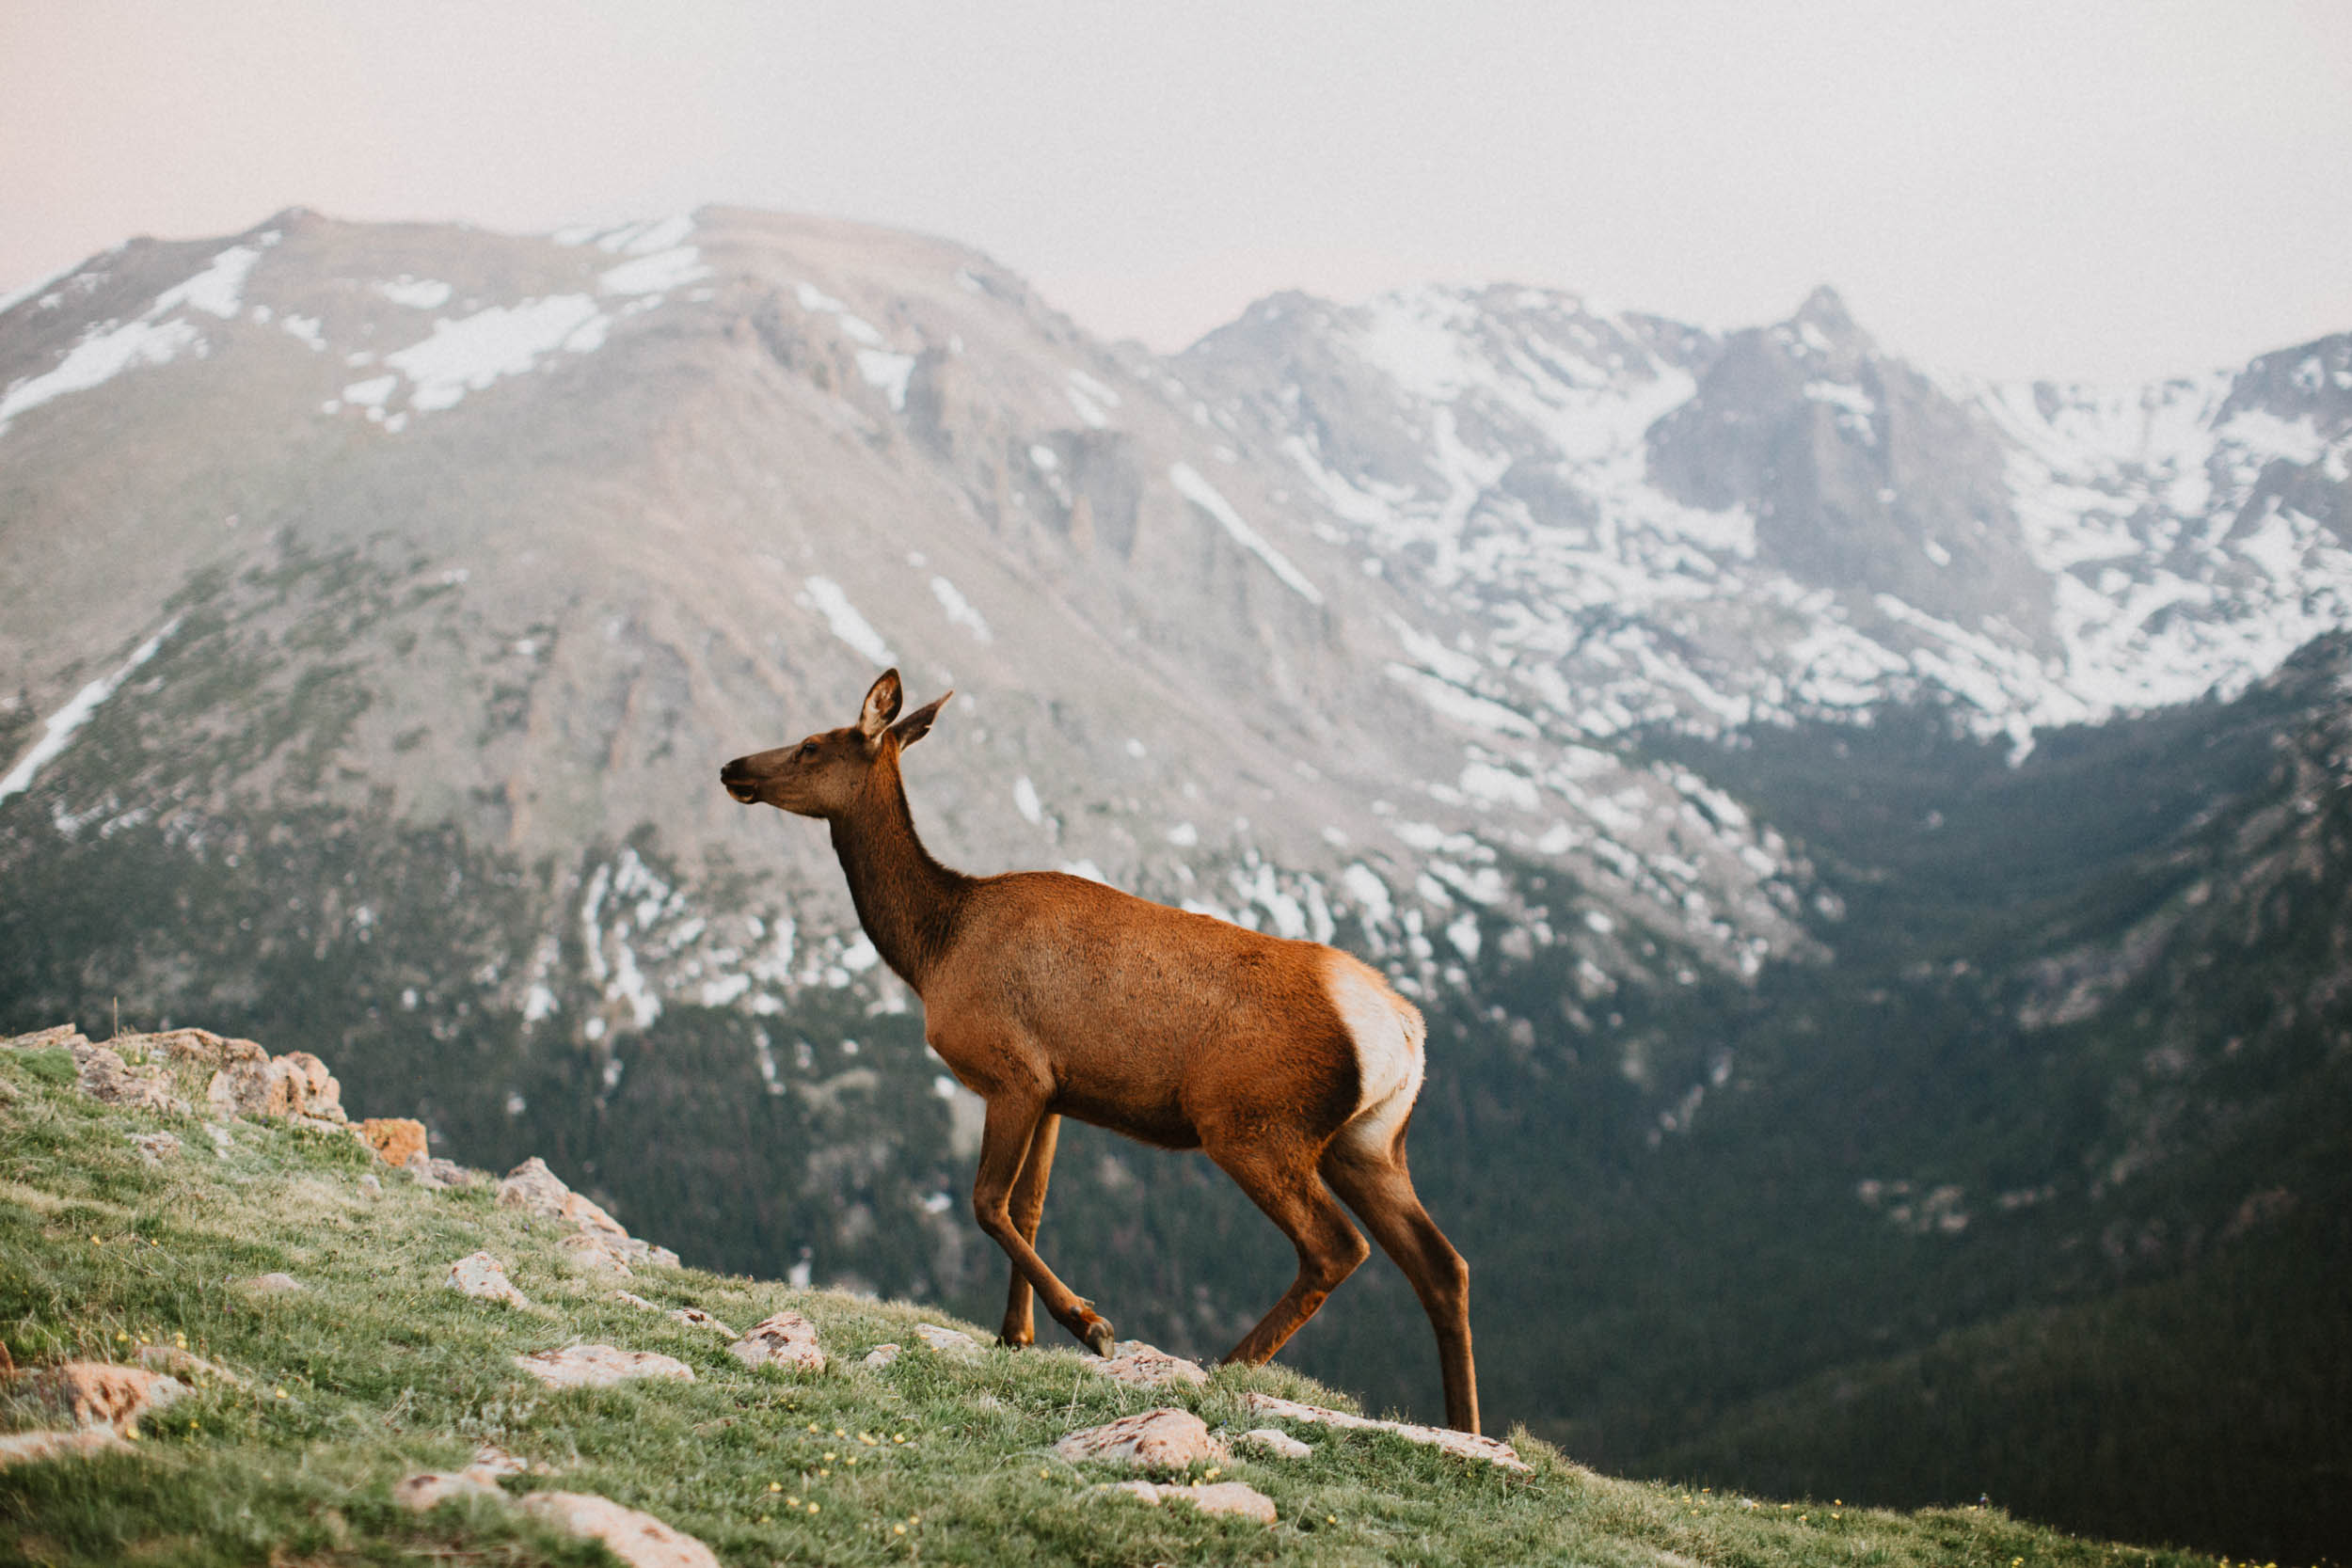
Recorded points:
(396,1140)
(101,1073)
(637,1539)
(1282,1445)
(599,1366)
(692,1317)
(593,1249)
(786,1340)
(1165,1438)
(1143,1366)
(482,1277)
(880,1356)
(1466,1445)
(1224,1497)
(98,1393)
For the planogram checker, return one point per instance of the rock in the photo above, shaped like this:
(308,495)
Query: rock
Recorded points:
(368,1184)
(98,1393)
(58,1038)
(786,1340)
(1132,1361)
(1165,1437)
(481,1276)
(155,1146)
(446,1173)
(396,1140)
(694,1317)
(187,1366)
(599,1366)
(947,1342)
(593,1249)
(218,1132)
(1223,1497)
(637,1539)
(430,1489)
(28,1448)
(247,1081)
(1463,1444)
(536,1190)
(101,1073)
(880,1356)
(1282,1445)
(271,1284)
(492,1461)
(637,1301)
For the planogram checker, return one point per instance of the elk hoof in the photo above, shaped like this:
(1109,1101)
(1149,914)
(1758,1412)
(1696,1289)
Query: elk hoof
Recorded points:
(1098,1335)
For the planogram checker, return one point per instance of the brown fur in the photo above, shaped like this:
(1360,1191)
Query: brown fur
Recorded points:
(1050,996)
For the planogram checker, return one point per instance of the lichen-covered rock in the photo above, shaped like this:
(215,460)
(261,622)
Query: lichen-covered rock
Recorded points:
(97,1393)
(101,1073)
(1223,1497)
(637,1539)
(482,1277)
(1165,1438)
(1464,1444)
(1143,1366)
(593,1249)
(786,1340)
(692,1317)
(1282,1445)
(599,1366)
(396,1140)
(880,1356)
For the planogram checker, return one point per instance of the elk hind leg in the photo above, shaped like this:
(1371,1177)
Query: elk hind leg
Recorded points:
(1027,1207)
(1295,1198)
(1375,1183)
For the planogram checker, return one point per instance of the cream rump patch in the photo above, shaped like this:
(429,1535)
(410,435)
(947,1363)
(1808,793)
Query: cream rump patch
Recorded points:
(1387,1032)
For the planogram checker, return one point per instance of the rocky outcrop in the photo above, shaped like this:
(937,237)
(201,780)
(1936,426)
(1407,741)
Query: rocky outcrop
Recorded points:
(95,1393)
(397,1140)
(636,1538)
(1156,1439)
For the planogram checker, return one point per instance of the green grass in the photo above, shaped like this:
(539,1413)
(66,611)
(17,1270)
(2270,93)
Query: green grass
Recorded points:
(377,1370)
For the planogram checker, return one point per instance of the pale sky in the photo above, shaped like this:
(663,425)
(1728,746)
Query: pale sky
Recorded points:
(2108,191)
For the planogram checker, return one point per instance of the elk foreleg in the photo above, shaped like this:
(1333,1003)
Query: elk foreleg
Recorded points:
(1027,1209)
(1011,1131)
(1376,1183)
(1283,1182)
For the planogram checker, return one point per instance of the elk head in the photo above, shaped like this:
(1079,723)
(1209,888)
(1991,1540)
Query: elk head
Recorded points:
(824,775)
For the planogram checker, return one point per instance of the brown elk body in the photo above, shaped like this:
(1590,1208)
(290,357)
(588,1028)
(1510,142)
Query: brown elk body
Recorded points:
(1290,1064)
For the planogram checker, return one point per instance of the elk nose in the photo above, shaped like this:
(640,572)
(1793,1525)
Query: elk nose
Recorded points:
(737,780)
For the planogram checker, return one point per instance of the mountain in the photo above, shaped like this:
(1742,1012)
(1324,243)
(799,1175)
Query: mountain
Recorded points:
(1775,767)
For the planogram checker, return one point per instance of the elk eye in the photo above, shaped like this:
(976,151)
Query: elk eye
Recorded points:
(808,748)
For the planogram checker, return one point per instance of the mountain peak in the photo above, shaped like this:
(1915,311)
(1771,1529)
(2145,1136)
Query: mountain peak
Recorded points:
(1824,310)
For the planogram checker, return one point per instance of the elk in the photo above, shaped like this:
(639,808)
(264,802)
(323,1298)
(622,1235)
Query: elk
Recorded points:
(1291,1064)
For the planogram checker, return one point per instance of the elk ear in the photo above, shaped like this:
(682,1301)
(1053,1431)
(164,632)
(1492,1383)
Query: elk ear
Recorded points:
(915,725)
(882,706)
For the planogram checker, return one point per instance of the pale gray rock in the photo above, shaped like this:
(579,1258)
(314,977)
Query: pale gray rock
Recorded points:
(786,1340)
(947,1342)
(636,1538)
(880,1356)
(275,1283)
(154,1148)
(1232,1498)
(1282,1445)
(1143,1366)
(429,1489)
(482,1277)
(599,1366)
(1466,1445)
(1166,1438)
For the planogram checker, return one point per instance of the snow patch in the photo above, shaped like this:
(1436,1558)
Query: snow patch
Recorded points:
(63,723)
(1203,495)
(825,596)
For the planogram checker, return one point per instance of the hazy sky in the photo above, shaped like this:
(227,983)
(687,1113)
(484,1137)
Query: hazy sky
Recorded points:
(2105,190)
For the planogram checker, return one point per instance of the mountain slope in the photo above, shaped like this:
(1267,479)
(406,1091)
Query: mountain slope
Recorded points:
(1676,715)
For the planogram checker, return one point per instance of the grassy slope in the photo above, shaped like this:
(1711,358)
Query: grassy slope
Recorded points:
(376,1371)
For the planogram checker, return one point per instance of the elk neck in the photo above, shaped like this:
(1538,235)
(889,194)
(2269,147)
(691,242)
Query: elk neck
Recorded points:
(907,901)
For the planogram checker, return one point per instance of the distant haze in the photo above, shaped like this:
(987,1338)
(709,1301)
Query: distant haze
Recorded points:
(2097,191)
